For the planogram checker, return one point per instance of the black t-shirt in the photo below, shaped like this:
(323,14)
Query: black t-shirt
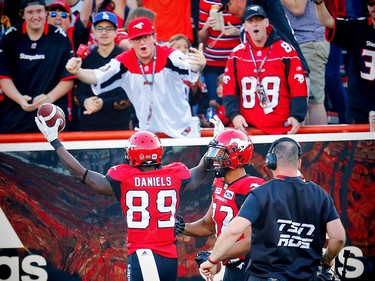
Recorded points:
(117,110)
(35,67)
(289,218)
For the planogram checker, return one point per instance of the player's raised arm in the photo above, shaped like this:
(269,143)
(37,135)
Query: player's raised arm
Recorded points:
(95,181)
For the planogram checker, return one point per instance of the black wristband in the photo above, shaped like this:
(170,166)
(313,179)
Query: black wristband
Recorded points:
(56,144)
(84,176)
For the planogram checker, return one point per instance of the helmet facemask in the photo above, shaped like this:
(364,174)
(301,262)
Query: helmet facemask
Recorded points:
(229,150)
(217,158)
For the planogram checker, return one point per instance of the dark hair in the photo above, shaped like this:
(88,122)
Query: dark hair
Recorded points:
(104,5)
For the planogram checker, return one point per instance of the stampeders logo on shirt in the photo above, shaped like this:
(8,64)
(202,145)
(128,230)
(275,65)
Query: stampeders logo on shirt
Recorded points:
(31,57)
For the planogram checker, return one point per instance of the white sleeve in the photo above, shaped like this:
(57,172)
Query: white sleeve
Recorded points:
(105,73)
(180,61)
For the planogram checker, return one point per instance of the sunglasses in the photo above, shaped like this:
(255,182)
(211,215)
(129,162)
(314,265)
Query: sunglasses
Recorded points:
(371,4)
(54,14)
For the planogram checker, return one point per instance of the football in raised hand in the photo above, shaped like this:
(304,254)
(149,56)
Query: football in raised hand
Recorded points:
(51,113)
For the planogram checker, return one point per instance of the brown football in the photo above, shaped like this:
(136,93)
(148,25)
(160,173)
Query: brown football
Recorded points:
(51,113)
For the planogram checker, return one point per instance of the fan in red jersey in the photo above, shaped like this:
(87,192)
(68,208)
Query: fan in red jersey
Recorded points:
(264,81)
(149,195)
(228,154)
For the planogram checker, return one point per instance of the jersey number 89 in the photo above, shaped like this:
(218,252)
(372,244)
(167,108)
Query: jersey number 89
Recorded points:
(143,197)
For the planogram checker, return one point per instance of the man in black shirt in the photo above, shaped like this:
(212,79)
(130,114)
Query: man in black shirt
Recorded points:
(33,56)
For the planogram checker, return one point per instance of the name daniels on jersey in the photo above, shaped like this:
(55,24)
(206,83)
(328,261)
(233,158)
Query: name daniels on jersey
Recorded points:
(33,57)
(153,181)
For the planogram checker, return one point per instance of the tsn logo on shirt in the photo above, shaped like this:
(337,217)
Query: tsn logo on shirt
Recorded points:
(295,234)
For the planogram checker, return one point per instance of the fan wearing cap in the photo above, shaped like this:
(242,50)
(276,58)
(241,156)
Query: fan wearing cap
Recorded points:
(112,109)
(276,16)
(152,77)
(264,82)
(78,31)
(59,14)
(33,55)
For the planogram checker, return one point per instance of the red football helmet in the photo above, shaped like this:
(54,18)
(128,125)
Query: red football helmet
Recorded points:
(144,149)
(229,149)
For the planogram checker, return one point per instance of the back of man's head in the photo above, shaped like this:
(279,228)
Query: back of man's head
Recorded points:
(287,154)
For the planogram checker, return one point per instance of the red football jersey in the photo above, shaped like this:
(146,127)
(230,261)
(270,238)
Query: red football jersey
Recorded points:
(227,199)
(150,201)
(279,84)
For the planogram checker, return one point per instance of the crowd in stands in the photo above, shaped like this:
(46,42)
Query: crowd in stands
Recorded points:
(36,44)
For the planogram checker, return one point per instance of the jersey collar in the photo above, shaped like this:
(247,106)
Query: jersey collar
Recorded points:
(45,31)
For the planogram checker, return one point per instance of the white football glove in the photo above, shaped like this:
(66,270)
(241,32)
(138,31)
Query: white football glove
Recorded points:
(219,126)
(50,133)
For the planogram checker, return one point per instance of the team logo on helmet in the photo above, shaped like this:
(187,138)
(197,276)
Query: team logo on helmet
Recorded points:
(242,144)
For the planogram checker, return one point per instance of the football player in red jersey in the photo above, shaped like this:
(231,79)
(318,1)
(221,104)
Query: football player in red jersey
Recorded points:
(228,153)
(149,195)
(264,81)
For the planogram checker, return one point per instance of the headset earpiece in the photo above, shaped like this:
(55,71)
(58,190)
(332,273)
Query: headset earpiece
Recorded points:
(271,161)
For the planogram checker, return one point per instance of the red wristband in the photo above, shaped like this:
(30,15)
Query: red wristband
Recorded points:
(211,261)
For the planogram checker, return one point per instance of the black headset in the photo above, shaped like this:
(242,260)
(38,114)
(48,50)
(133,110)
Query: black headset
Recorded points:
(271,156)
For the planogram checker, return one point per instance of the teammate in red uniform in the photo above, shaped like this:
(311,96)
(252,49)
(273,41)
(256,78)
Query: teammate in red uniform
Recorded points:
(264,81)
(149,195)
(229,152)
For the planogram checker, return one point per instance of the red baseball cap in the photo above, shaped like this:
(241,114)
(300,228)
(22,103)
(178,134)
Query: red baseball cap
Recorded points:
(60,4)
(140,26)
